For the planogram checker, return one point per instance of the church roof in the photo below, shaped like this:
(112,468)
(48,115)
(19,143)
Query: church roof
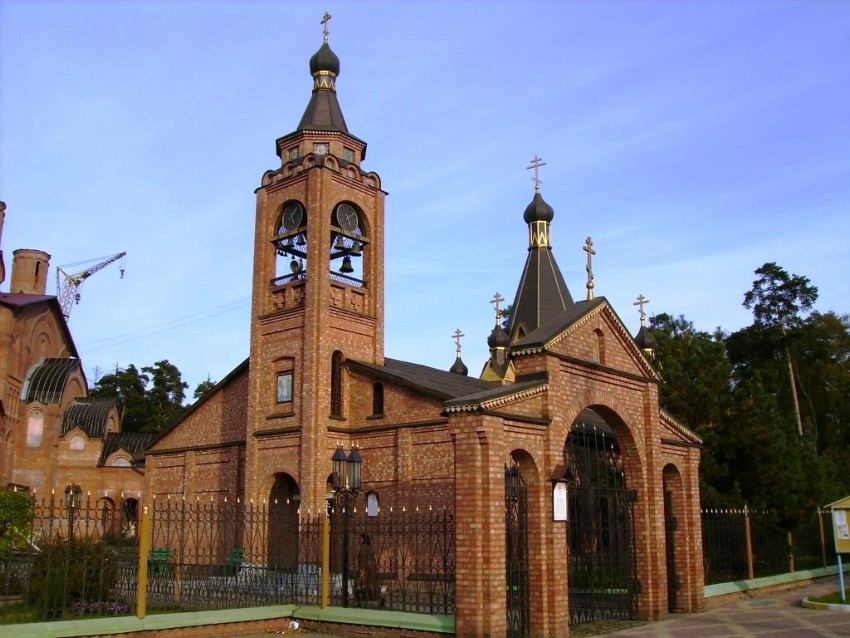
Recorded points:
(90,415)
(134,443)
(439,384)
(497,394)
(323,112)
(557,324)
(542,292)
(46,380)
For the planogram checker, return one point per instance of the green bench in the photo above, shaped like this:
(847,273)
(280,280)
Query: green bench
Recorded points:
(237,554)
(158,560)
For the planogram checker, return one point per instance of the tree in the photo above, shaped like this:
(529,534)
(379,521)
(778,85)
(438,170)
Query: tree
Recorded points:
(778,299)
(128,387)
(148,400)
(166,395)
(204,386)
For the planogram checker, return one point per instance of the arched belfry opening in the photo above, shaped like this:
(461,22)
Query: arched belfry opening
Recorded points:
(290,243)
(284,502)
(349,242)
(602,577)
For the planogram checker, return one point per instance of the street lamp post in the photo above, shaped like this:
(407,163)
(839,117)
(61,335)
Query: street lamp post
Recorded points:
(346,484)
(73,501)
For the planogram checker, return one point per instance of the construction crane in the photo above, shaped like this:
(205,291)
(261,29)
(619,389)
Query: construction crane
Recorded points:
(70,284)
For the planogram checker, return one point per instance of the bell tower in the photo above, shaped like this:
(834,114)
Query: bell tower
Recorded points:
(318,293)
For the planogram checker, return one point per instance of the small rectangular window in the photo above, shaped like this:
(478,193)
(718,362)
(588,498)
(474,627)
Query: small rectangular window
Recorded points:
(284,387)
(293,153)
(347,154)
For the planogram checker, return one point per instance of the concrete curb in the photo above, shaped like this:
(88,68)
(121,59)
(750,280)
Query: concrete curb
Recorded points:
(830,606)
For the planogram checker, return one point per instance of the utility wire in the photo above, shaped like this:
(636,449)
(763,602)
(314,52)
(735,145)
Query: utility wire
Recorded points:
(142,333)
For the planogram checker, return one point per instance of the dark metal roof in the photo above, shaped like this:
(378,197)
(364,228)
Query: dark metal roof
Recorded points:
(46,380)
(423,379)
(645,340)
(538,210)
(496,391)
(90,415)
(134,443)
(323,113)
(542,292)
(21,299)
(459,367)
(324,60)
(557,324)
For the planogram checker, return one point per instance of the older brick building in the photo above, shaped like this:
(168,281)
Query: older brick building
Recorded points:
(54,437)
(564,423)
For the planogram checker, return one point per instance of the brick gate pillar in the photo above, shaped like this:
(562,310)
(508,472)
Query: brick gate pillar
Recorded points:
(479,528)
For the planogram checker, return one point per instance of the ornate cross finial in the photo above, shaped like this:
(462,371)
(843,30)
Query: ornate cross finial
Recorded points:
(496,301)
(588,248)
(536,163)
(641,301)
(456,336)
(325,19)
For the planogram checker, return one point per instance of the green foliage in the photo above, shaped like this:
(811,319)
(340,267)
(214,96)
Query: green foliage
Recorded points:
(204,387)
(778,298)
(734,391)
(149,400)
(69,571)
(16,516)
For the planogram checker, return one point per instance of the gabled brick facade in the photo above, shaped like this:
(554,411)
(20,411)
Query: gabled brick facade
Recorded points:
(317,378)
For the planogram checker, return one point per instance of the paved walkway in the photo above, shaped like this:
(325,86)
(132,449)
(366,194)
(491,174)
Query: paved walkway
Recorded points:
(777,615)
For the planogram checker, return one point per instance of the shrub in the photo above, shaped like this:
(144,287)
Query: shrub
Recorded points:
(69,571)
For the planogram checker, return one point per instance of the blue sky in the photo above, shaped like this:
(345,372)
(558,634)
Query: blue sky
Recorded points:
(694,141)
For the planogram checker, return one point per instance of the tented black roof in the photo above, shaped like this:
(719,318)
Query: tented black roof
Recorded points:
(90,415)
(46,379)
(134,443)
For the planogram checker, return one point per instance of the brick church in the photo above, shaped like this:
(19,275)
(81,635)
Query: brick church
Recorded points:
(564,420)
(55,441)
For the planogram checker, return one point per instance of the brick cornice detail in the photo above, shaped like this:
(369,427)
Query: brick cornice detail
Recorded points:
(669,420)
(499,401)
(388,427)
(196,448)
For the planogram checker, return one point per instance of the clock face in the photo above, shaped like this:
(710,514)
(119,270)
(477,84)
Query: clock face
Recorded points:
(347,218)
(293,215)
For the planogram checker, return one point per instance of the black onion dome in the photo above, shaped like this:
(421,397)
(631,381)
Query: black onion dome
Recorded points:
(538,211)
(459,367)
(498,338)
(324,60)
(645,340)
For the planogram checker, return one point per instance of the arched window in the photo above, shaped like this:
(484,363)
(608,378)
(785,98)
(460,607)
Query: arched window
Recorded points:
(598,346)
(377,399)
(35,428)
(336,384)
(78,442)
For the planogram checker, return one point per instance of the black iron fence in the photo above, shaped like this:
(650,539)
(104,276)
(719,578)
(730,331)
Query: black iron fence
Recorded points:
(742,543)
(79,558)
(76,561)
(72,558)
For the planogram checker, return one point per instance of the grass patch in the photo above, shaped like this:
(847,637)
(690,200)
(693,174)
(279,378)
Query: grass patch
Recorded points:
(833,598)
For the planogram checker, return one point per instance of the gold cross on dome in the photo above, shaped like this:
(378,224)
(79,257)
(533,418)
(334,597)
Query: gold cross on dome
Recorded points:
(588,248)
(536,163)
(641,301)
(496,301)
(325,19)
(456,336)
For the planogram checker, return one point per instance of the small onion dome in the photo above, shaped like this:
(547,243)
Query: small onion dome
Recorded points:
(538,211)
(459,367)
(498,338)
(645,340)
(324,60)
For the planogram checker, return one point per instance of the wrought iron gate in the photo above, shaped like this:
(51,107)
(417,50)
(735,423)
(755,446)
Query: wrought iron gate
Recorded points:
(670,528)
(602,564)
(516,549)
